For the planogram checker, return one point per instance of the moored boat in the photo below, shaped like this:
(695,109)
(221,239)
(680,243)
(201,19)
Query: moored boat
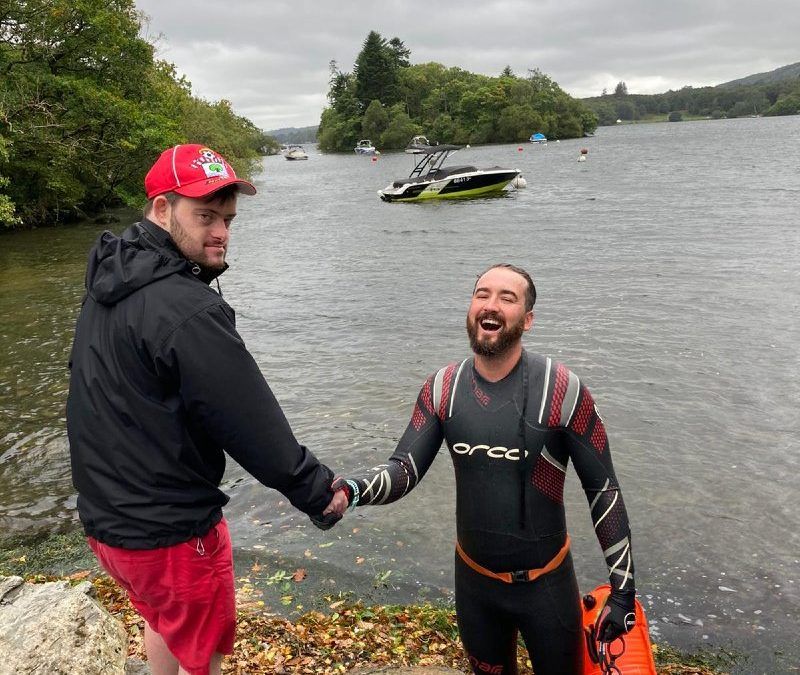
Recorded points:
(365,147)
(295,152)
(430,180)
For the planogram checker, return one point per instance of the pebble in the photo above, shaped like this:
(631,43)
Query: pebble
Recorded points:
(727,590)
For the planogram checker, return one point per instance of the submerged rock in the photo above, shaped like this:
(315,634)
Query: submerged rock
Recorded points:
(57,629)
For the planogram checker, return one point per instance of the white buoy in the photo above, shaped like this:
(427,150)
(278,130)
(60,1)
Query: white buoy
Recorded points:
(519,182)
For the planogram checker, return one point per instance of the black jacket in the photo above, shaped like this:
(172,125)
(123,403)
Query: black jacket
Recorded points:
(161,384)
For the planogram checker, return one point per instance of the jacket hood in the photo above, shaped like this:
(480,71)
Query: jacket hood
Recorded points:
(119,266)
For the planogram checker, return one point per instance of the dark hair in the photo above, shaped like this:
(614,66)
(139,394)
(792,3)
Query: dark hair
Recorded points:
(222,195)
(530,292)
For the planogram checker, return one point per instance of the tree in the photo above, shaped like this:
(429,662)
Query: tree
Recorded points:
(626,110)
(507,72)
(7,216)
(375,121)
(517,123)
(400,53)
(621,89)
(85,109)
(376,72)
(786,105)
(400,130)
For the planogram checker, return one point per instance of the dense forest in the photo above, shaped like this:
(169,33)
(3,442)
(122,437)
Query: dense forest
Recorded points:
(85,109)
(767,97)
(388,100)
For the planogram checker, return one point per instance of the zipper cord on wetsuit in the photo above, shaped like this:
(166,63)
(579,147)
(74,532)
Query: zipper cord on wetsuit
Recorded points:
(523,460)
(219,288)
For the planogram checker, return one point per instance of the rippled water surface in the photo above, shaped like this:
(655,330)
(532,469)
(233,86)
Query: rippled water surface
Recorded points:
(668,276)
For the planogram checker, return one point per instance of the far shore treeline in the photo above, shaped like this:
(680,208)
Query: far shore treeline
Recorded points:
(768,94)
(388,100)
(85,108)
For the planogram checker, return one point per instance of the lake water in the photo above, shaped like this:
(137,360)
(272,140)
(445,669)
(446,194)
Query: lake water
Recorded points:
(668,277)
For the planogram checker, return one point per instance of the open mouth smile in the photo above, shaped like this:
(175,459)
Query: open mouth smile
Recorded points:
(490,325)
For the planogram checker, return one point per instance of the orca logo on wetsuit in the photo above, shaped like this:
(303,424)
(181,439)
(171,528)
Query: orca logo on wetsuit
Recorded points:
(492,451)
(485,667)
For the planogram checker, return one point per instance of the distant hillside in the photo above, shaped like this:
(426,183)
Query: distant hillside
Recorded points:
(789,72)
(295,134)
(773,93)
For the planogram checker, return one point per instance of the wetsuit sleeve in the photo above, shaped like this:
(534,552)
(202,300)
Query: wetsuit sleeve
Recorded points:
(227,397)
(411,460)
(587,444)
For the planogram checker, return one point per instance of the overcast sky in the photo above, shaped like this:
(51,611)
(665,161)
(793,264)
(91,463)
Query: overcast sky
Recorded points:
(270,57)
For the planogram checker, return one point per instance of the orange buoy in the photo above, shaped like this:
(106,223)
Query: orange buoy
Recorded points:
(584,151)
(636,652)
(519,149)
(374,159)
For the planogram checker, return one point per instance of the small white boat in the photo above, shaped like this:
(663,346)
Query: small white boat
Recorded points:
(294,152)
(365,147)
(538,138)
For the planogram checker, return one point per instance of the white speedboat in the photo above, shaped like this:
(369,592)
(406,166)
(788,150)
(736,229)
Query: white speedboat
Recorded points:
(365,147)
(430,180)
(294,152)
(538,138)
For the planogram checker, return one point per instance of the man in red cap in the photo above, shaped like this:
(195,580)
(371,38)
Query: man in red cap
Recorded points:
(161,387)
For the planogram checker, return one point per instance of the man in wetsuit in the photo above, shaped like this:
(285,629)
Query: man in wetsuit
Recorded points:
(512,421)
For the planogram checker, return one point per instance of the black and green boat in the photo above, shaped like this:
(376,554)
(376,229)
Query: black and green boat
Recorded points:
(430,180)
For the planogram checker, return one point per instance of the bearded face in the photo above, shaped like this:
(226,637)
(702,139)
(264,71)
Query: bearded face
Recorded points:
(490,335)
(200,230)
(497,315)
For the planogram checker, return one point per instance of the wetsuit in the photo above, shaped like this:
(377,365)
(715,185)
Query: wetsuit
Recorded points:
(510,442)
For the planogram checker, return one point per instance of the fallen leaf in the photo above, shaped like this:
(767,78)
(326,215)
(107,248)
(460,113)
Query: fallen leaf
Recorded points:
(299,574)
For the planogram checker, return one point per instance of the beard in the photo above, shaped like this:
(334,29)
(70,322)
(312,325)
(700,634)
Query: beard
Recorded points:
(506,336)
(183,241)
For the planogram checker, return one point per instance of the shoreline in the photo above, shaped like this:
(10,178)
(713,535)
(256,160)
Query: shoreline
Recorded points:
(340,631)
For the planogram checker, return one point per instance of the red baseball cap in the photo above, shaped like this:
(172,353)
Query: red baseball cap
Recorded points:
(192,170)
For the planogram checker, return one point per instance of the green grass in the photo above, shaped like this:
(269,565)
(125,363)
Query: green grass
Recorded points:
(42,553)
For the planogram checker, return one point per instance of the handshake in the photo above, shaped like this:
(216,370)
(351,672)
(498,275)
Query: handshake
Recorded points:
(345,493)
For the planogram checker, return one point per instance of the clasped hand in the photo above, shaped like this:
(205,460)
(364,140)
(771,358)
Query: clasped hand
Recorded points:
(336,507)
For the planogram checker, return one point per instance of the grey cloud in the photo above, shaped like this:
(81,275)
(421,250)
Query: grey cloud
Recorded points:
(270,59)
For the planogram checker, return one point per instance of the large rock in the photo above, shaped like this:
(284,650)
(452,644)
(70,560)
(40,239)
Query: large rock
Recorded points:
(56,629)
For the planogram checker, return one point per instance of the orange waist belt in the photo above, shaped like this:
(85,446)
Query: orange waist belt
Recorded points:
(518,576)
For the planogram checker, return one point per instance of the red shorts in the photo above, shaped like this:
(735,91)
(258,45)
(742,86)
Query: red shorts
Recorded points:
(184,592)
